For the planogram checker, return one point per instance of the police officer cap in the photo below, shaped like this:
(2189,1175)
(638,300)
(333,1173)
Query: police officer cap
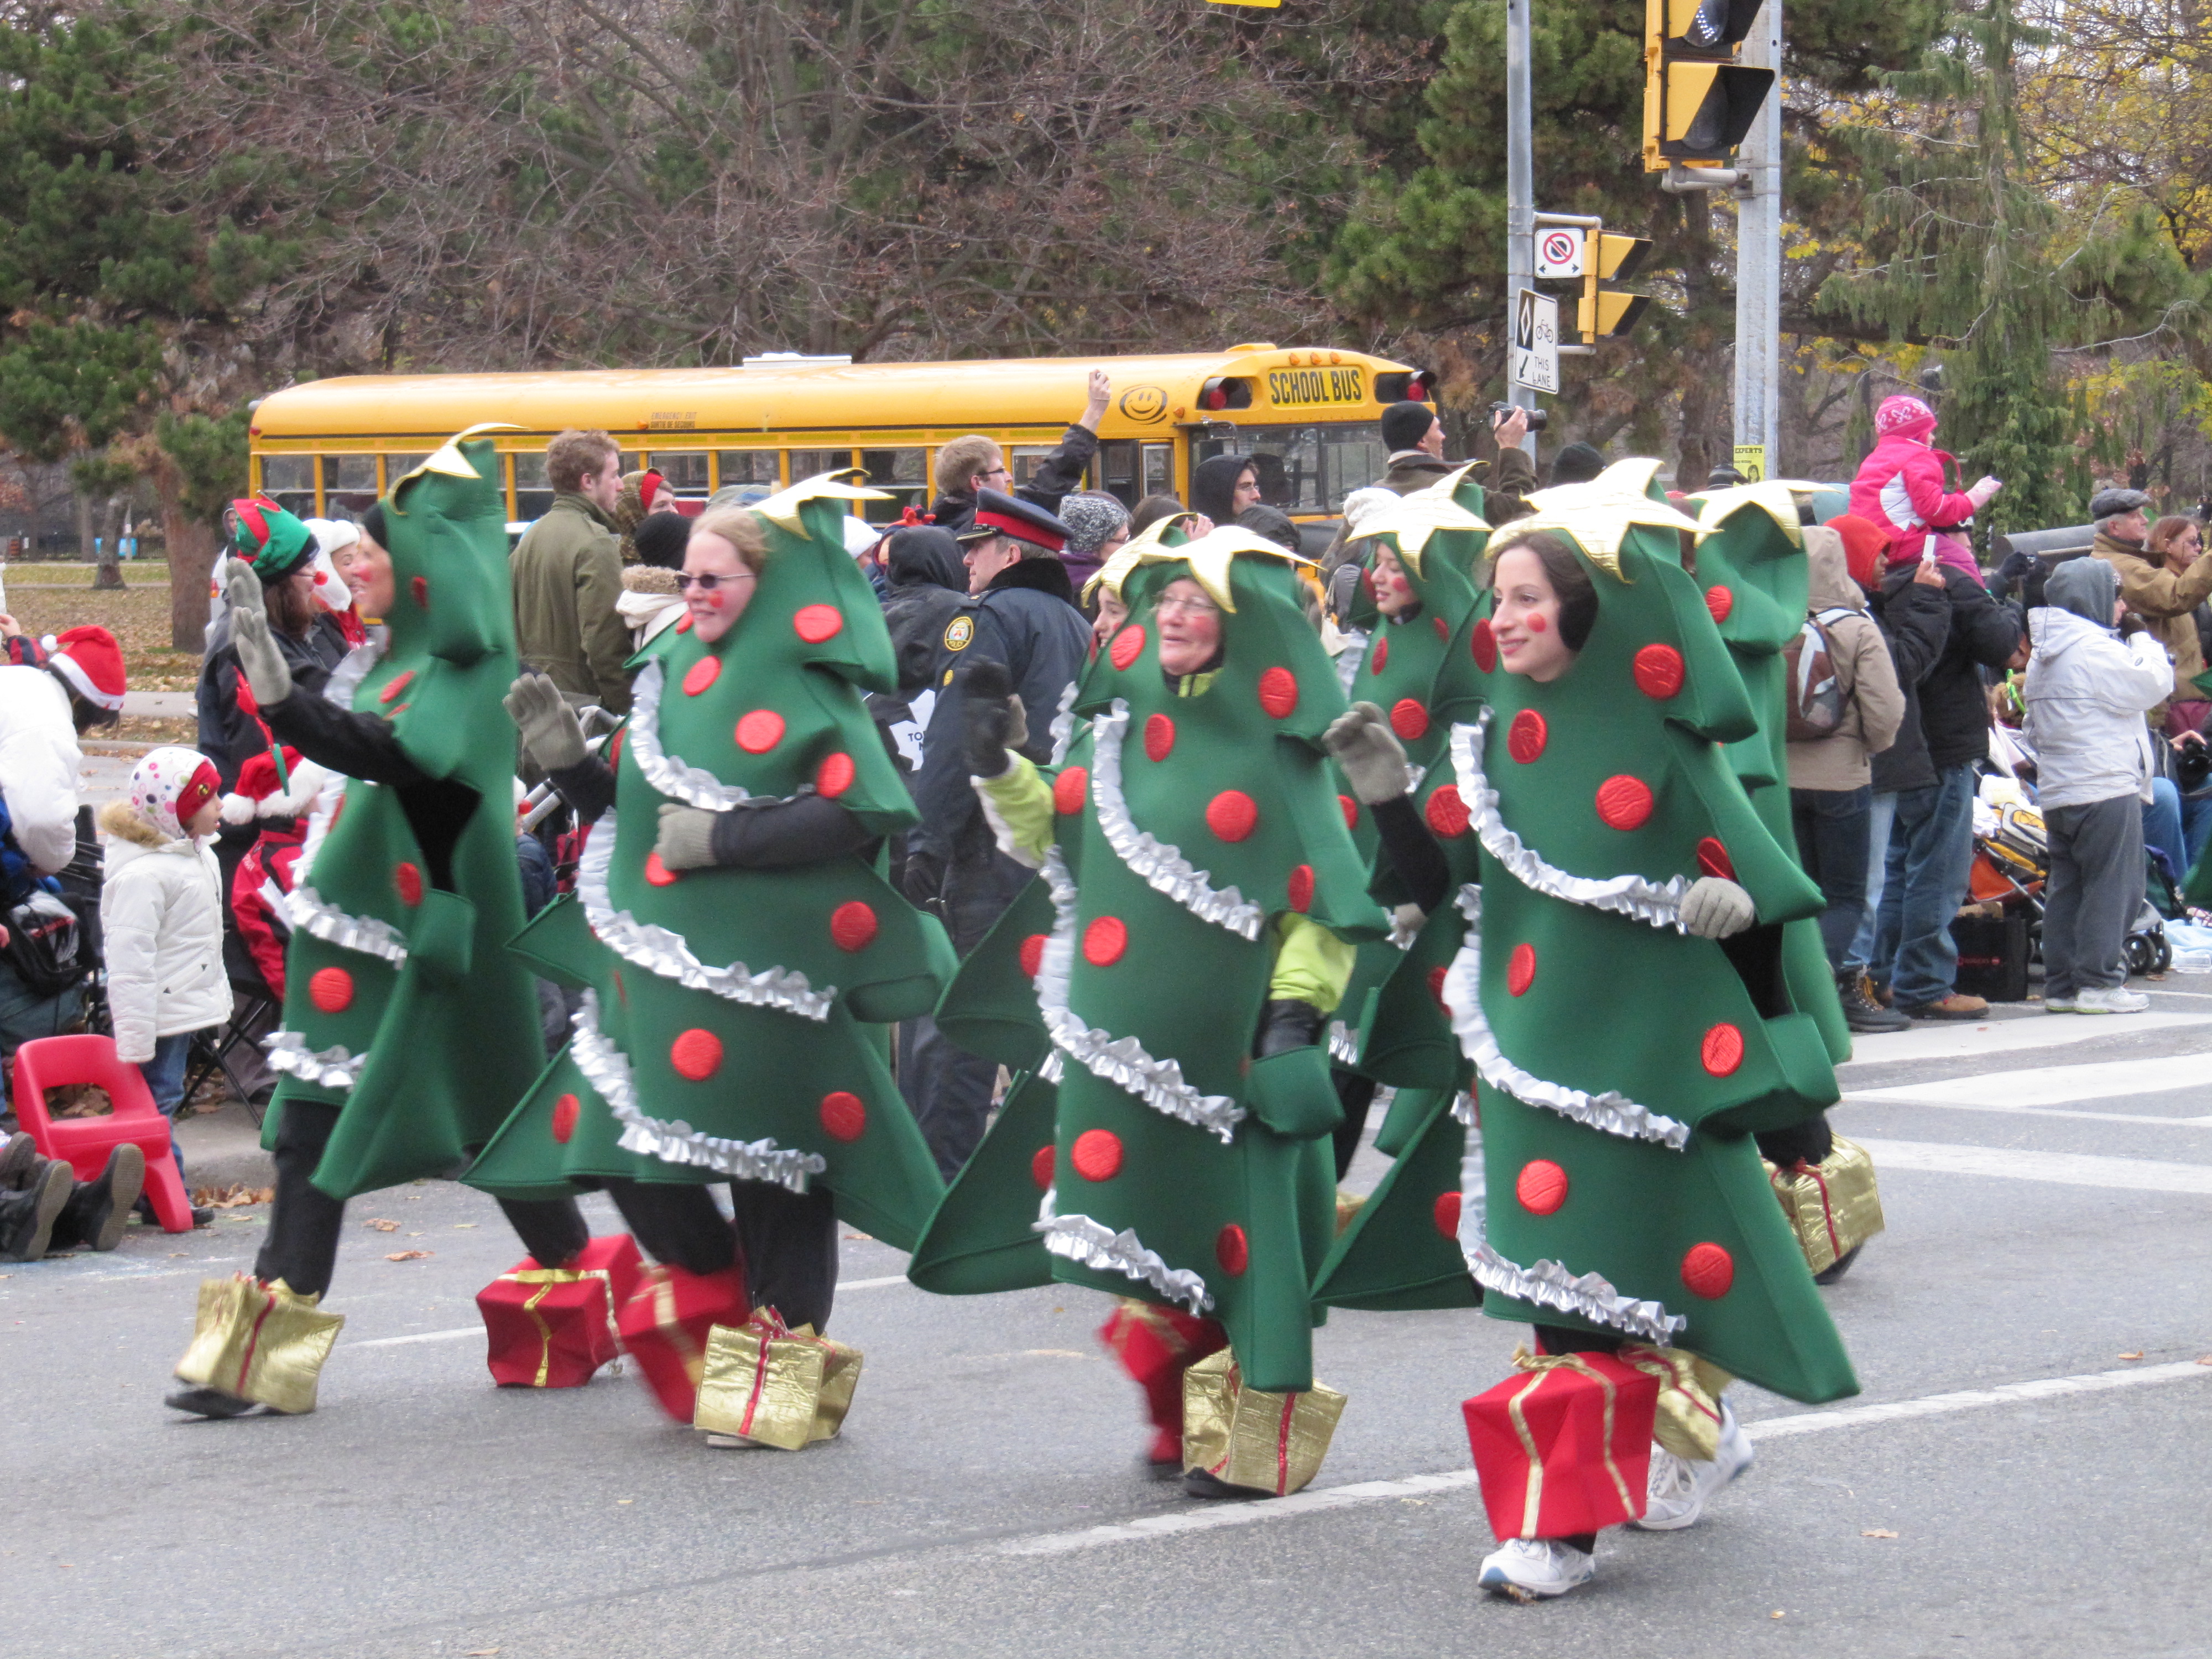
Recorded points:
(1000,514)
(2111,503)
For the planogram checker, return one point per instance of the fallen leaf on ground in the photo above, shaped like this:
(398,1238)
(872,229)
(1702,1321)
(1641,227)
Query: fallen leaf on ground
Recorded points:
(381,1225)
(2138,1354)
(463,1227)
(234,1196)
(625,1500)
(2206,1360)
(1775,1614)
(407,1255)
(1876,1532)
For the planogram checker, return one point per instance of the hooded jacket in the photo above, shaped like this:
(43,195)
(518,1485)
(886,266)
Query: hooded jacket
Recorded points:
(1916,624)
(39,762)
(2166,600)
(2086,692)
(160,919)
(1955,713)
(567,573)
(1899,488)
(1874,706)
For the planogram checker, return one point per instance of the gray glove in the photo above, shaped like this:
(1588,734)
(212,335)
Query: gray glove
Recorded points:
(1715,908)
(249,635)
(686,840)
(1360,741)
(551,732)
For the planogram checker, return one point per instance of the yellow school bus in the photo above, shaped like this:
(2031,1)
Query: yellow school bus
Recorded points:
(1306,415)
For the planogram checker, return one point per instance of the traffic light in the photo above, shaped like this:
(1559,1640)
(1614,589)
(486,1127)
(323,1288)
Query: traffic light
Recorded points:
(1699,102)
(1607,259)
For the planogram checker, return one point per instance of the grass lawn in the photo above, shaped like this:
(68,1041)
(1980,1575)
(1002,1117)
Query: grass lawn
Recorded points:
(46,599)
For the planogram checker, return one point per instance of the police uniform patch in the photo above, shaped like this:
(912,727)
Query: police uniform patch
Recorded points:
(958,632)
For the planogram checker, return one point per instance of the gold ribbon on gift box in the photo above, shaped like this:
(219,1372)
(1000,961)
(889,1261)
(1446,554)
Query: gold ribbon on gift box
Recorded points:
(260,1342)
(545,1279)
(1249,1438)
(1545,1368)
(1834,1206)
(773,1386)
(1688,1422)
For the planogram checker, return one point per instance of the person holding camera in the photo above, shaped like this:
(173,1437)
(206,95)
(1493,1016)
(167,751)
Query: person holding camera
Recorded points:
(1415,434)
(2087,695)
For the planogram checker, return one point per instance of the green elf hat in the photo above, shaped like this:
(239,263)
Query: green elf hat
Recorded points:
(267,538)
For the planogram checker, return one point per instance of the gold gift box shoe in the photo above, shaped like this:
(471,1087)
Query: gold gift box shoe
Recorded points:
(1247,1438)
(259,1342)
(765,1385)
(1832,1205)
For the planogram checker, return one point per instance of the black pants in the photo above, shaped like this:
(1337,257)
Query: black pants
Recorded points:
(948,1088)
(1811,1140)
(1355,1094)
(302,1245)
(787,1241)
(1558,1339)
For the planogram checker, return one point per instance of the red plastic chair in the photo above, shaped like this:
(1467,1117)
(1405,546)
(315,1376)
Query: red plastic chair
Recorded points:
(85,1142)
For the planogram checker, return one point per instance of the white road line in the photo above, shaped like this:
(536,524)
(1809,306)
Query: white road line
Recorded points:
(456,1333)
(1882,1097)
(2056,1085)
(2067,1169)
(1315,1500)
(1931,1042)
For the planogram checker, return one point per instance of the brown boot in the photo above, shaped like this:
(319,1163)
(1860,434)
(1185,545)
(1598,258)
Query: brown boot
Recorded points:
(1956,1005)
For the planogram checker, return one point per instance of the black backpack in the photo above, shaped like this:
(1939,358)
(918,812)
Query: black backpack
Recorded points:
(45,945)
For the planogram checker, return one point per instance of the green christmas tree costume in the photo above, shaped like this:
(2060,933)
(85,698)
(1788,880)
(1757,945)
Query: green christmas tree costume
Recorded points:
(1622,1064)
(1194,838)
(1751,566)
(402,1007)
(732,1022)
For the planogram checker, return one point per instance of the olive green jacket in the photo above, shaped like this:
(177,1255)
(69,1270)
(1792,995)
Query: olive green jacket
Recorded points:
(568,576)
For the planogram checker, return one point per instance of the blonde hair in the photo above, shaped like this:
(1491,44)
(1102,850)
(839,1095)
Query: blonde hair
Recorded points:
(740,528)
(961,459)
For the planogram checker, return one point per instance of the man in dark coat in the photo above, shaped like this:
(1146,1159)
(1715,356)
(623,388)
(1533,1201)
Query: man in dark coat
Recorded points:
(1018,632)
(1931,838)
(969,465)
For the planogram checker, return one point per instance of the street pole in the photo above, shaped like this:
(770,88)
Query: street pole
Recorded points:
(1520,187)
(1758,254)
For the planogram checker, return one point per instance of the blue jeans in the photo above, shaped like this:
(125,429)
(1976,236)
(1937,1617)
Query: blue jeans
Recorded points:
(1932,854)
(2162,824)
(165,1079)
(1830,827)
(1880,814)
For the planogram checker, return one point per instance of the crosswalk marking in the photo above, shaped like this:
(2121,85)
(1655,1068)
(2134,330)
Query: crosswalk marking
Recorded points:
(1884,1097)
(2054,1085)
(2067,1169)
(1930,1041)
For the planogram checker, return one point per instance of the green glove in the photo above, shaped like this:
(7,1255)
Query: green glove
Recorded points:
(551,734)
(686,840)
(257,655)
(1360,741)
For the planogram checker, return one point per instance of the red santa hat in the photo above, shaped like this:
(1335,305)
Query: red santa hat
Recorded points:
(92,662)
(260,795)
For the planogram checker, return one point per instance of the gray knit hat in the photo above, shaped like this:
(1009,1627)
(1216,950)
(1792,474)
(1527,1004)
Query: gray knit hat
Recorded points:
(1090,516)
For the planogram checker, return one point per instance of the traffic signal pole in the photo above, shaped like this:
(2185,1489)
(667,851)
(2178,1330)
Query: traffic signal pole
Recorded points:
(1520,183)
(1759,256)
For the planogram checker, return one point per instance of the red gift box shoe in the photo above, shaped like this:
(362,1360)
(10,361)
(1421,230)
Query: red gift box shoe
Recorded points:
(1564,1447)
(553,1327)
(664,1324)
(1156,1346)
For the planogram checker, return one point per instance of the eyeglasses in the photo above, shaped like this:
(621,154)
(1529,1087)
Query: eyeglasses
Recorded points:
(1188,607)
(709,582)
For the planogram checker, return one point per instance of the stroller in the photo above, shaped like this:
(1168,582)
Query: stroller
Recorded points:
(2012,860)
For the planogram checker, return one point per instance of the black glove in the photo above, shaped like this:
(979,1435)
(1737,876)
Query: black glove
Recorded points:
(994,723)
(2131,624)
(1286,1025)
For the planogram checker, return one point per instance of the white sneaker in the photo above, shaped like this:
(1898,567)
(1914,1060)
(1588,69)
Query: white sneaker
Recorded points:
(1535,1569)
(2110,1000)
(1680,1487)
(2061,1004)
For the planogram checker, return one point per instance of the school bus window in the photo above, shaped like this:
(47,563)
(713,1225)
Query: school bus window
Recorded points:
(533,496)
(683,471)
(1116,470)
(290,481)
(349,485)
(903,474)
(1024,459)
(1159,470)
(1304,469)
(810,463)
(746,467)
(397,467)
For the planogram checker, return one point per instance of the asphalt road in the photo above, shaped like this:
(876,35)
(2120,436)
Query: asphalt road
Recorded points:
(2034,1430)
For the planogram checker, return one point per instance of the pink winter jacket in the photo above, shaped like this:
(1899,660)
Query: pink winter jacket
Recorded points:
(1899,487)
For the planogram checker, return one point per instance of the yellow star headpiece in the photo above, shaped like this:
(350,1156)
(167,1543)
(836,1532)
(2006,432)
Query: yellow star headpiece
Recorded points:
(1598,515)
(1110,576)
(782,507)
(447,458)
(1414,519)
(1210,555)
(1775,497)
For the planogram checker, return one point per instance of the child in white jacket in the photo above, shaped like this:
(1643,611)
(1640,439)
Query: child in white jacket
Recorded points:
(160,912)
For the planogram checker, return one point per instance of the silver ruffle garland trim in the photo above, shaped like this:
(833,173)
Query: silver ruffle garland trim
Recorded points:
(1063,727)
(1351,659)
(310,913)
(1657,905)
(1590,1296)
(1343,1043)
(329,1069)
(692,785)
(1614,1113)
(1121,1061)
(1159,865)
(1098,1247)
(607,1069)
(319,829)
(659,951)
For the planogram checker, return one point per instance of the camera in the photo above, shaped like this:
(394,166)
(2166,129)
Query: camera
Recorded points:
(1538,418)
